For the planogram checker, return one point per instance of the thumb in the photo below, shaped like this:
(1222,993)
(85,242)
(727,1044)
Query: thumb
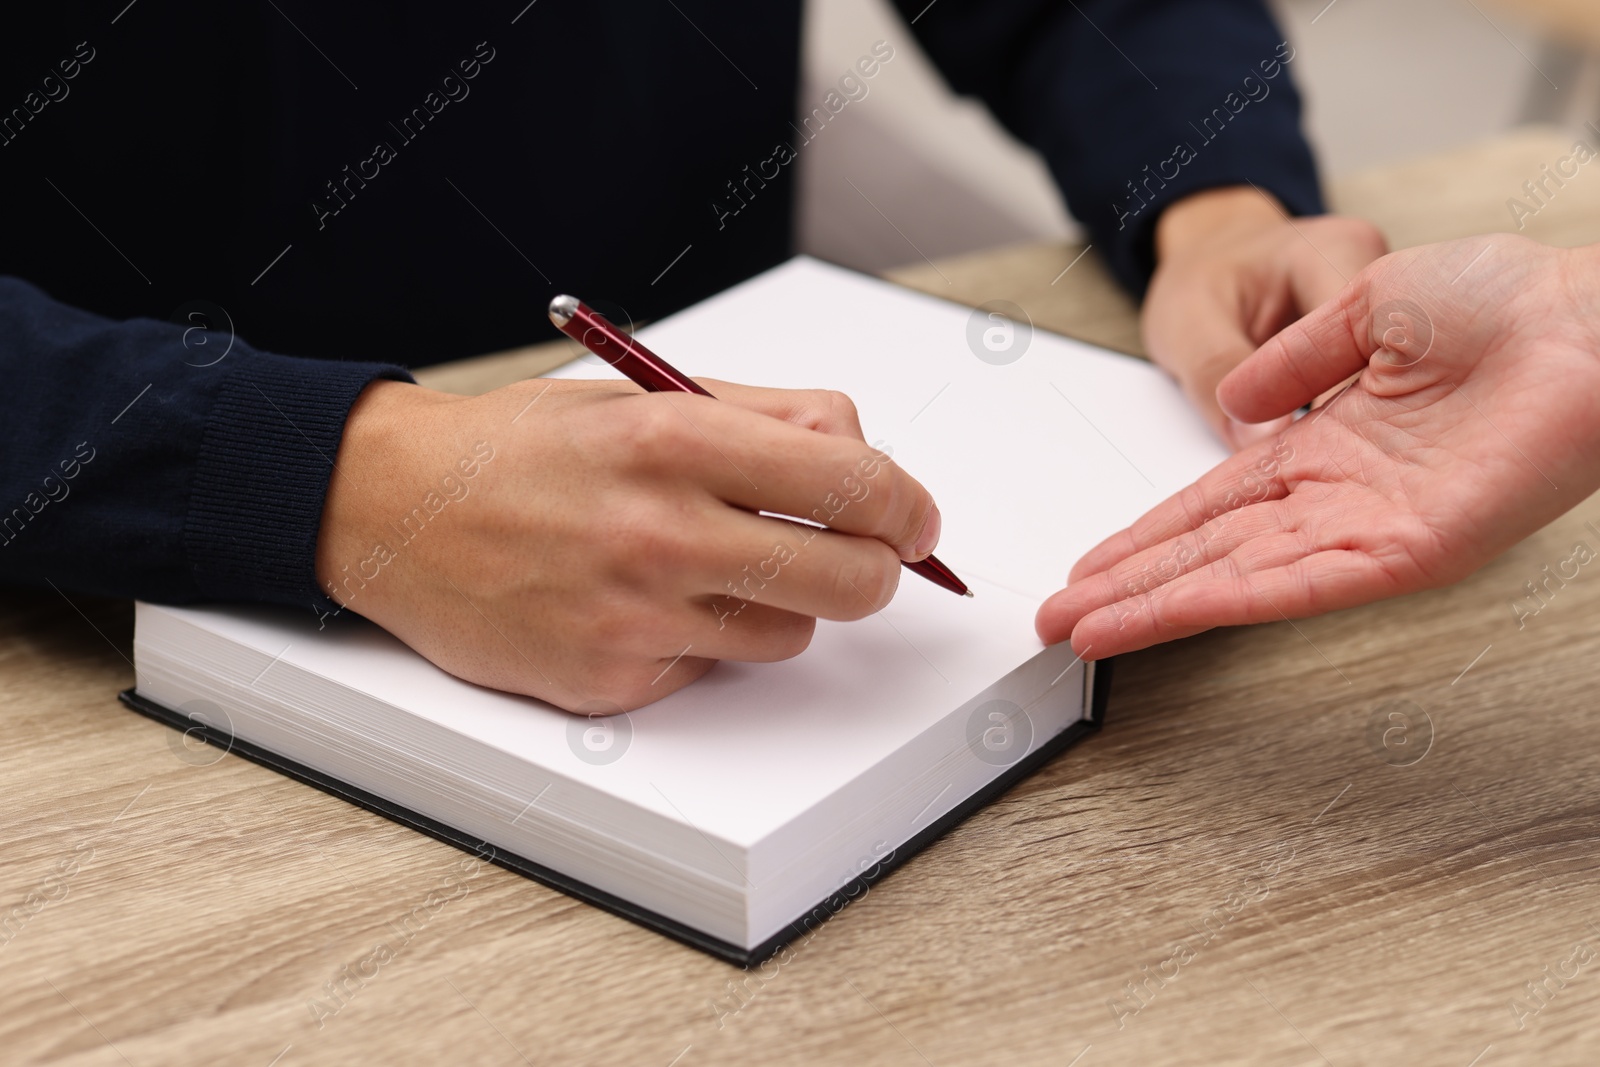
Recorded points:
(1304,360)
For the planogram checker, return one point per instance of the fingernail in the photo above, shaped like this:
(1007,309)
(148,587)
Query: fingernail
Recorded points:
(930,533)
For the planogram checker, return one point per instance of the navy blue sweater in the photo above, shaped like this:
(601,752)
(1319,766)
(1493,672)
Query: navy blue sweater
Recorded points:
(191,189)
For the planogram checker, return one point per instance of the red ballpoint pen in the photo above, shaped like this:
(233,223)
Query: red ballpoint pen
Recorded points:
(595,332)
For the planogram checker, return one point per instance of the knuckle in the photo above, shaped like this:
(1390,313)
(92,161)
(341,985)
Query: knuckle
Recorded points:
(1374,242)
(658,433)
(1131,609)
(867,582)
(603,629)
(1193,501)
(1366,235)
(1130,579)
(790,637)
(905,507)
(615,623)
(824,410)
(1151,606)
(1357,237)
(666,536)
(840,408)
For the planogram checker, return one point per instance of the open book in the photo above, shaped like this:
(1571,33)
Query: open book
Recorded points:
(752,804)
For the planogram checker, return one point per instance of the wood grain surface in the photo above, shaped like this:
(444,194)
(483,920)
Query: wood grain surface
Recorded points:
(1256,861)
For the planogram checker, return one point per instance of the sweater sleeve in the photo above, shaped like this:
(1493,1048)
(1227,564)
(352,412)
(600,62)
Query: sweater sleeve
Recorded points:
(1132,103)
(164,462)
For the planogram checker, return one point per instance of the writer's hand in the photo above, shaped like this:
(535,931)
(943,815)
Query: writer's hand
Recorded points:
(1474,421)
(1231,271)
(596,546)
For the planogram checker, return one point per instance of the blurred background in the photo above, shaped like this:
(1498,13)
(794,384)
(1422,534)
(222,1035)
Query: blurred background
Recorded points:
(1384,81)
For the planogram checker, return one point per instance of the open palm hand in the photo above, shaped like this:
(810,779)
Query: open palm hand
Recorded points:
(1474,421)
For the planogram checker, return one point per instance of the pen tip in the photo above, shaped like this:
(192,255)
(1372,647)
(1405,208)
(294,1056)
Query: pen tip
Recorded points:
(562,308)
(968,594)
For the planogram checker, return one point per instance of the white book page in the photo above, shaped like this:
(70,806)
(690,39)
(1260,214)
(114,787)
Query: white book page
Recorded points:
(1031,463)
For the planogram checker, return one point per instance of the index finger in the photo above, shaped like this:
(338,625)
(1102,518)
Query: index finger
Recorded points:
(761,463)
(823,410)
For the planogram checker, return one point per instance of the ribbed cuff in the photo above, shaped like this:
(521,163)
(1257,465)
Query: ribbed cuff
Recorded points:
(264,467)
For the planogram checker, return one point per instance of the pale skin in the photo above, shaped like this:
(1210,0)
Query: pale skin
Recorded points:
(1473,420)
(590,561)
(602,559)
(1232,269)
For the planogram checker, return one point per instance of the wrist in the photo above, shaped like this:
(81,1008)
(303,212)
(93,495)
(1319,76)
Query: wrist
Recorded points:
(1201,217)
(382,423)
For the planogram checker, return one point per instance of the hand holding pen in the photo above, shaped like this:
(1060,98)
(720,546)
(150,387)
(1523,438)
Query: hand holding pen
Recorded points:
(593,545)
(649,371)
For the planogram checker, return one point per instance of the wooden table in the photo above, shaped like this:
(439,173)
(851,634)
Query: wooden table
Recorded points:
(1573,22)
(1351,840)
